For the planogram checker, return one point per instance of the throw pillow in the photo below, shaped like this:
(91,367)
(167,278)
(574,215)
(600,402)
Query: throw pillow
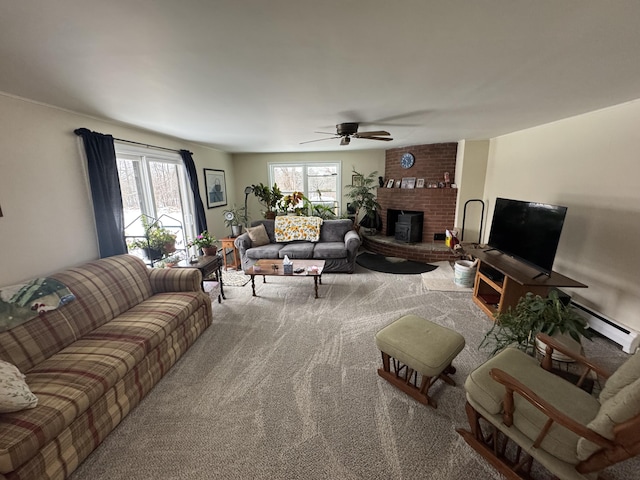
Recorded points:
(14,391)
(258,236)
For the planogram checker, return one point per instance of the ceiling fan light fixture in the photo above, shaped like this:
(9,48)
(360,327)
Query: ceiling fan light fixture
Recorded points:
(344,131)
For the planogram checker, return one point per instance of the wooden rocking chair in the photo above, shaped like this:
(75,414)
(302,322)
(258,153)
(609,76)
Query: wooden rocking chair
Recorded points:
(550,420)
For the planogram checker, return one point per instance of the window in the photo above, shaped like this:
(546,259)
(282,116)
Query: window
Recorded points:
(320,182)
(154,183)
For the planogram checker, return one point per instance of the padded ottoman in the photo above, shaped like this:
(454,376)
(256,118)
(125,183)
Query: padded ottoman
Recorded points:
(418,346)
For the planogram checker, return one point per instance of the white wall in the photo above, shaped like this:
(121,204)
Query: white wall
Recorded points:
(471,169)
(48,218)
(590,164)
(252,168)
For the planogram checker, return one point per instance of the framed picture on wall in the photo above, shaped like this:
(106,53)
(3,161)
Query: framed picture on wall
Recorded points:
(357,180)
(216,187)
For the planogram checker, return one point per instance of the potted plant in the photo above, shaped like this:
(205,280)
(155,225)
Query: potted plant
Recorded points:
(206,242)
(269,197)
(234,218)
(534,314)
(294,204)
(172,260)
(363,201)
(157,241)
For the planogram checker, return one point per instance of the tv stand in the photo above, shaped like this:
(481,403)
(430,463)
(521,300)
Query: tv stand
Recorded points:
(502,280)
(540,275)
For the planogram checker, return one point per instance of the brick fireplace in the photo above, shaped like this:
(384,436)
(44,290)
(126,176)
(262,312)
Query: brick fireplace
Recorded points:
(437,204)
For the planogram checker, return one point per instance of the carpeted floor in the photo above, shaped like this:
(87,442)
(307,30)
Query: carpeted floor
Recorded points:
(442,279)
(284,386)
(395,265)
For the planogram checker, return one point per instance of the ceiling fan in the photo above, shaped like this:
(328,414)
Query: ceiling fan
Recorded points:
(346,131)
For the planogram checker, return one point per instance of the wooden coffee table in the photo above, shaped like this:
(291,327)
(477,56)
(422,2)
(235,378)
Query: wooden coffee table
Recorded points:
(268,267)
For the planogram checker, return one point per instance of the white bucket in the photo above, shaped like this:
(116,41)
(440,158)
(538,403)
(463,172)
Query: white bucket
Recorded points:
(465,273)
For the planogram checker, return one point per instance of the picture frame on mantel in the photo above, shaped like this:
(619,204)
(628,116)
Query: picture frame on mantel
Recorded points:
(216,187)
(420,183)
(408,182)
(390,183)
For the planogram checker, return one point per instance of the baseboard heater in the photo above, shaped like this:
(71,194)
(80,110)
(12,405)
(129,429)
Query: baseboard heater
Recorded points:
(628,339)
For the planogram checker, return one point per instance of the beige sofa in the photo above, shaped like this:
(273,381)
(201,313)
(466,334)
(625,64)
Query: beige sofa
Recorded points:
(91,361)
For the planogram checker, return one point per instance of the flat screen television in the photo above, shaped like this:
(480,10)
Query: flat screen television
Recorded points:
(527,231)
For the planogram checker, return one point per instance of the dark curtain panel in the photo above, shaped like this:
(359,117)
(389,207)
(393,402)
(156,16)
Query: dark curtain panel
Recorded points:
(201,218)
(105,191)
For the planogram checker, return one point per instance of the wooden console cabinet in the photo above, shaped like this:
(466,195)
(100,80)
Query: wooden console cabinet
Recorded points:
(501,281)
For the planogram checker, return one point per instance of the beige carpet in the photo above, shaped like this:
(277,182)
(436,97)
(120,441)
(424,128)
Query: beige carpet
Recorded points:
(284,386)
(441,279)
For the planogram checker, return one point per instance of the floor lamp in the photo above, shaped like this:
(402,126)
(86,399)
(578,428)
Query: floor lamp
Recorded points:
(247,192)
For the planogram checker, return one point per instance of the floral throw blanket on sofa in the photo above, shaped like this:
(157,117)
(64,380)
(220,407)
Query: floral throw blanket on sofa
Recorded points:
(20,303)
(290,228)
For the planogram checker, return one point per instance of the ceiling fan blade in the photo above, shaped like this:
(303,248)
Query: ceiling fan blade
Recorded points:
(319,140)
(371,134)
(384,139)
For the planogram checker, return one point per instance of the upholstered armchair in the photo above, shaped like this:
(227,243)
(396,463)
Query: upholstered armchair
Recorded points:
(519,411)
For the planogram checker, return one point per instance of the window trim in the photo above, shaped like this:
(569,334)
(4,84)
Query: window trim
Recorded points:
(146,154)
(305,176)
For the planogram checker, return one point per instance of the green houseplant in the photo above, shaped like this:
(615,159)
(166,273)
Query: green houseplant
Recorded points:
(534,314)
(234,218)
(269,197)
(295,204)
(206,242)
(156,242)
(363,201)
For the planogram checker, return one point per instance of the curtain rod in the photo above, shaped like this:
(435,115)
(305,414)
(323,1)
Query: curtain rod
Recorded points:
(80,131)
(148,146)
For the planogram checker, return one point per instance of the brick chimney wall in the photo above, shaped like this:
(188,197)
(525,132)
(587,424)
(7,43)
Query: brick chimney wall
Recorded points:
(438,204)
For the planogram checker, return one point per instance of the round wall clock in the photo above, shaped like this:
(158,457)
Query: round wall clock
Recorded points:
(407,160)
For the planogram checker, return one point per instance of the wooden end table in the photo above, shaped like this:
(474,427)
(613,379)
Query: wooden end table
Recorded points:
(273,267)
(229,242)
(208,265)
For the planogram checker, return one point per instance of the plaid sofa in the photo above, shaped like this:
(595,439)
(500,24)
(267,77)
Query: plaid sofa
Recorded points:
(91,361)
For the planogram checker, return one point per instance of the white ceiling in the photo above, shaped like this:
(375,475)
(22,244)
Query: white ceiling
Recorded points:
(264,75)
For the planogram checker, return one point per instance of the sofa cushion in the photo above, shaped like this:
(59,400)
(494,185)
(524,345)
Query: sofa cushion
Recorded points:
(291,228)
(103,289)
(14,391)
(258,236)
(265,251)
(325,250)
(335,230)
(298,250)
(624,405)
(269,226)
(625,375)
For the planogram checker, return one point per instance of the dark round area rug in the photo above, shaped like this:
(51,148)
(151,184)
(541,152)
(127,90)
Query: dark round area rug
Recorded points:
(380,263)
